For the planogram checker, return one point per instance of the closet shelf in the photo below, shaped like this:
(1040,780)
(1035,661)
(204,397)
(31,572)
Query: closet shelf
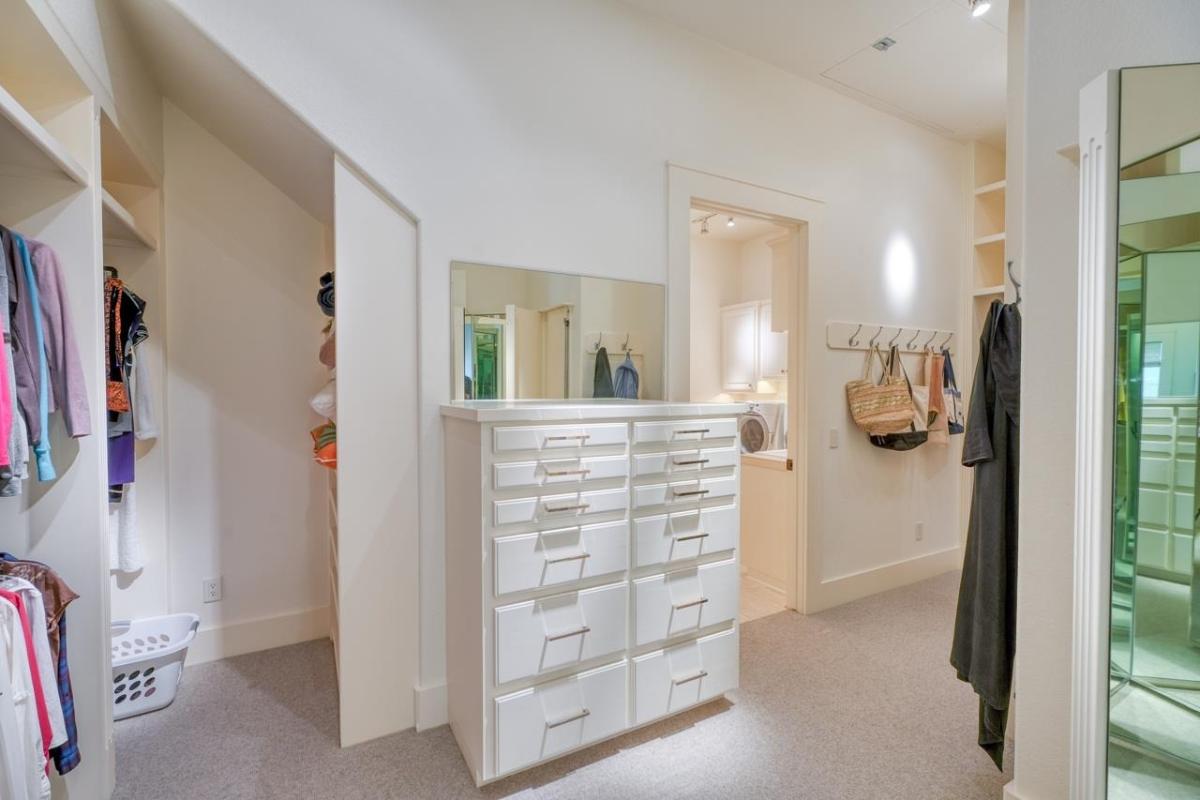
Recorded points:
(983,241)
(121,228)
(989,291)
(26,147)
(997,186)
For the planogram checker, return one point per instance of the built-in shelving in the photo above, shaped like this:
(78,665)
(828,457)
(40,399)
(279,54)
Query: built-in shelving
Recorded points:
(27,148)
(121,227)
(991,238)
(994,186)
(989,291)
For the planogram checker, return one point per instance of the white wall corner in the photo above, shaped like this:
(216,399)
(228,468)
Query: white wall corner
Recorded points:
(430,705)
(226,641)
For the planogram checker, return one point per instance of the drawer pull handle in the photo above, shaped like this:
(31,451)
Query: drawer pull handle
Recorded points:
(691,461)
(576,507)
(563,472)
(580,631)
(582,437)
(561,559)
(686,431)
(690,536)
(695,676)
(580,714)
(699,602)
(690,492)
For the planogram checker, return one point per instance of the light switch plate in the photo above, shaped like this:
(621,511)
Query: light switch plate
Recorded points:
(834,438)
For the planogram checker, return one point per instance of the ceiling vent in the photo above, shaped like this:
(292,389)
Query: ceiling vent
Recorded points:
(884,44)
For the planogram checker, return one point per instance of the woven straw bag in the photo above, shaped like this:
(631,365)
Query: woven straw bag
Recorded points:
(883,406)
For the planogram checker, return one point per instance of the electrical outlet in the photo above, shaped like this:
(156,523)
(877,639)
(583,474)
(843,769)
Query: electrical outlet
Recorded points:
(920,531)
(834,439)
(210,589)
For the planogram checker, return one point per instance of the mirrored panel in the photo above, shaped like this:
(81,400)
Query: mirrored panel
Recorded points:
(524,334)
(1154,709)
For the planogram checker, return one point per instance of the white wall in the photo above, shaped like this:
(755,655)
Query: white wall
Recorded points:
(1066,43)
(716,264)
(246,501)
(377,485)
(510,141)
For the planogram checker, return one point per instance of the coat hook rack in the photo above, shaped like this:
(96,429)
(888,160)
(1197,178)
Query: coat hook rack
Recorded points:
(1016,283)
(908,338)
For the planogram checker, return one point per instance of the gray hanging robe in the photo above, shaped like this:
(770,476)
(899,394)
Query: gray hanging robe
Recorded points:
(602,382)
(985,627)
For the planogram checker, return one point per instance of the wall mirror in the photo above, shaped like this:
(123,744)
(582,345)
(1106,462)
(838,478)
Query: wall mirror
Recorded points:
(1154,708)
(524,334)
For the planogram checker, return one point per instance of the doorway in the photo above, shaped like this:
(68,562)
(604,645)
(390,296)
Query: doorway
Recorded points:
(738,330)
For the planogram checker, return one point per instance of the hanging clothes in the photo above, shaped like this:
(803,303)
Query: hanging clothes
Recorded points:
(939,426)
(602,383)
(325,294)
(28,747)
(16,445)
(626,382)
(985,626)
(56,596)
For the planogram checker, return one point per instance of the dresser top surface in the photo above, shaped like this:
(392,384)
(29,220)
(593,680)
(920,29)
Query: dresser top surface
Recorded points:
(568,410)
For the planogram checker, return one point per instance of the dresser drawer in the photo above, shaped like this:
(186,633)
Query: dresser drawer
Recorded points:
(533,560)
(684,493)
(546,720)
(687,600)
(558,509)
(695,430)
(548,472)
(687,534)
(671,680)
(556,437)
(554,632)
(683,461)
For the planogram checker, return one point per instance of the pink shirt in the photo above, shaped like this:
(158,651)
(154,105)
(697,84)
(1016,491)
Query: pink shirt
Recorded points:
(39,695)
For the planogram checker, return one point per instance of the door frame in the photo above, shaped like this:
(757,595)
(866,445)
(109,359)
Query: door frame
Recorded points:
(686,186)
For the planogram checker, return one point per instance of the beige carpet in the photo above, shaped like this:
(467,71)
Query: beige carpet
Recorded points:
(857,703)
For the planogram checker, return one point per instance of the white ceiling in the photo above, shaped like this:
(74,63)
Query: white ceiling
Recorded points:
(744,228)
(947,70)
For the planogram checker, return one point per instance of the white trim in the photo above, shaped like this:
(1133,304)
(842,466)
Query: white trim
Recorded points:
(1010,792)
(430,706)
(264,633)
(1098,110)
(847,588)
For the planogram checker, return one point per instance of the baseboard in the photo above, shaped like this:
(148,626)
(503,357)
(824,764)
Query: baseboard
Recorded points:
(253,635)
(836,591)
(429,706)
(1010,793)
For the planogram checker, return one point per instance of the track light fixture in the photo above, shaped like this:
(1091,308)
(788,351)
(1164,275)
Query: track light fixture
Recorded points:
(729,223)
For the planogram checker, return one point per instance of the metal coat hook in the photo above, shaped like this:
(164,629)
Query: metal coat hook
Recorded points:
(894,338)
(854,336)
(1016,284)
(949,336)
(876,336)
(916,336)
(929,341)
(625,347)
(599,341)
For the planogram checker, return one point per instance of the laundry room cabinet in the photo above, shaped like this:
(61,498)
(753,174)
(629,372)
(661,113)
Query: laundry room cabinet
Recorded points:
(750,350)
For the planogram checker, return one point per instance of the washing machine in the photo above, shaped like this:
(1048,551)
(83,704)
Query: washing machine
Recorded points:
(763,427)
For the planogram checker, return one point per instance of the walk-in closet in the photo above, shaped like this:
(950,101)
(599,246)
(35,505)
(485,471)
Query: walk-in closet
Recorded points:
(197,243)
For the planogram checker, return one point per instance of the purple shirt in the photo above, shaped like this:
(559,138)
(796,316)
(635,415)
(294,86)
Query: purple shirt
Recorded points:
(67,390)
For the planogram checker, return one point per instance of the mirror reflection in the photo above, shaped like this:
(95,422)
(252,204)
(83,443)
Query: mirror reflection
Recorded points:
(523,334)
(1154,709)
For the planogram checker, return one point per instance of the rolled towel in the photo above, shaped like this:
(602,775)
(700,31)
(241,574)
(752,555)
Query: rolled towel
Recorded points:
(325,294)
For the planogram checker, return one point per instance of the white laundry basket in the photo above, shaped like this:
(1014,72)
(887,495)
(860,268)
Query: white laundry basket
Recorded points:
(147,661)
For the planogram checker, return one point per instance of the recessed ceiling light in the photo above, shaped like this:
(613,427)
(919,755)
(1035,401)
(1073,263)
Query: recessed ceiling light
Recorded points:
(729,223)
(980,7)
(883,44)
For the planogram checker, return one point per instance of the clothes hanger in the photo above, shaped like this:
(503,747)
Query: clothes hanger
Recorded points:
(111,271)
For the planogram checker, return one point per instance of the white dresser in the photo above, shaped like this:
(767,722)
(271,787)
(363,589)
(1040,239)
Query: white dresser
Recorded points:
(592,578)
